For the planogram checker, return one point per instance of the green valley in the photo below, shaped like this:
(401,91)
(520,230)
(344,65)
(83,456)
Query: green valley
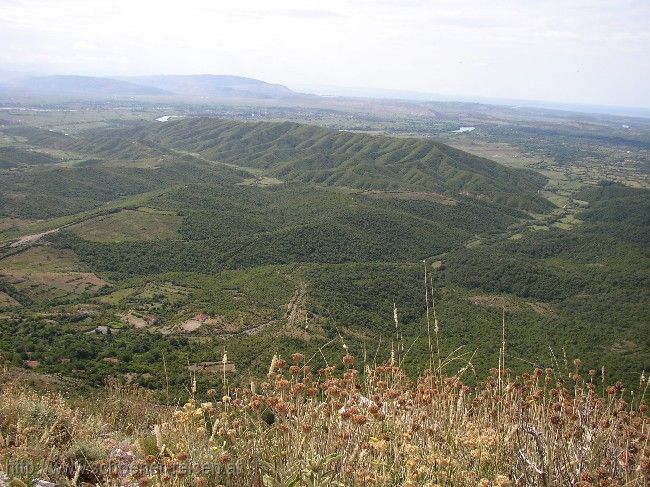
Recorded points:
(137,248)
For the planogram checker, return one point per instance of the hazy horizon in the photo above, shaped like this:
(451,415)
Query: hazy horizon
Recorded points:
(577,52)
(360,91)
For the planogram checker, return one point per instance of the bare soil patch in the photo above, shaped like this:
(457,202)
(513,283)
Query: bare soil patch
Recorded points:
(489,301)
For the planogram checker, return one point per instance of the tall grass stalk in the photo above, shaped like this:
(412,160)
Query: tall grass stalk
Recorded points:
(336,426)
(426,299)
(436,328)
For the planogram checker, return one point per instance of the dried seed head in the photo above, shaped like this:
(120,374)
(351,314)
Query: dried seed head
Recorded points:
(273,365)
(159,439)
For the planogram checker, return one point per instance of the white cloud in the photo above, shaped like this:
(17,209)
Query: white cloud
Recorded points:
(591,51)
(83,46)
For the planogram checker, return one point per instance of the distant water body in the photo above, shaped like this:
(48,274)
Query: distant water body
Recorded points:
(165,118)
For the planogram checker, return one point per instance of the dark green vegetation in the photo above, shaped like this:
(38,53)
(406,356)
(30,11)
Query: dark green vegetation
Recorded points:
(311,154)
(15,157)
(238,226)
(290,152)
(169,242)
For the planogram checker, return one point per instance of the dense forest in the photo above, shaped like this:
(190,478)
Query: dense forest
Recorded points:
(166,245)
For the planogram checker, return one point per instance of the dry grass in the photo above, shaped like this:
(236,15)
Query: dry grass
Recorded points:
(7,223)
(340,426)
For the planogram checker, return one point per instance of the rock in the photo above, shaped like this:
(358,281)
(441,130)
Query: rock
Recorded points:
(120,460)
(121,455)
(42,483)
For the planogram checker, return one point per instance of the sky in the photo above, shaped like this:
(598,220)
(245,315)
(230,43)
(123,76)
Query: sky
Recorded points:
(573,51)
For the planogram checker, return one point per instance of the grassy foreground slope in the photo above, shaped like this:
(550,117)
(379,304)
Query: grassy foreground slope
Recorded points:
(350,423)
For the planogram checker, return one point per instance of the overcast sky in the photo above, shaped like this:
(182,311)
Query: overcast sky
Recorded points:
(577,51)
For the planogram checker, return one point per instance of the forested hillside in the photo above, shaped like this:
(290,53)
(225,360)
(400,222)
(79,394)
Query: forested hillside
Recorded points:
(175,240)
(311,154)
(295,152)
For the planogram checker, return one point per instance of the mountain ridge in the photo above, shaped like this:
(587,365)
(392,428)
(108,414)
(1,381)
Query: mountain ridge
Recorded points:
(204,85)
(213,85)
(295,152)
(81,85)
(308,153)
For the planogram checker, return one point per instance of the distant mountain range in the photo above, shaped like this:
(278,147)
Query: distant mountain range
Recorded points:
(204,85)
(80,85)
(213,85)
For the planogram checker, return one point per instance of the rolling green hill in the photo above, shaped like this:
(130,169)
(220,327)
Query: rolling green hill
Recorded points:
(233,227)
(184,237)
(15,157)
(306,153)
(295,152)
(151,156)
